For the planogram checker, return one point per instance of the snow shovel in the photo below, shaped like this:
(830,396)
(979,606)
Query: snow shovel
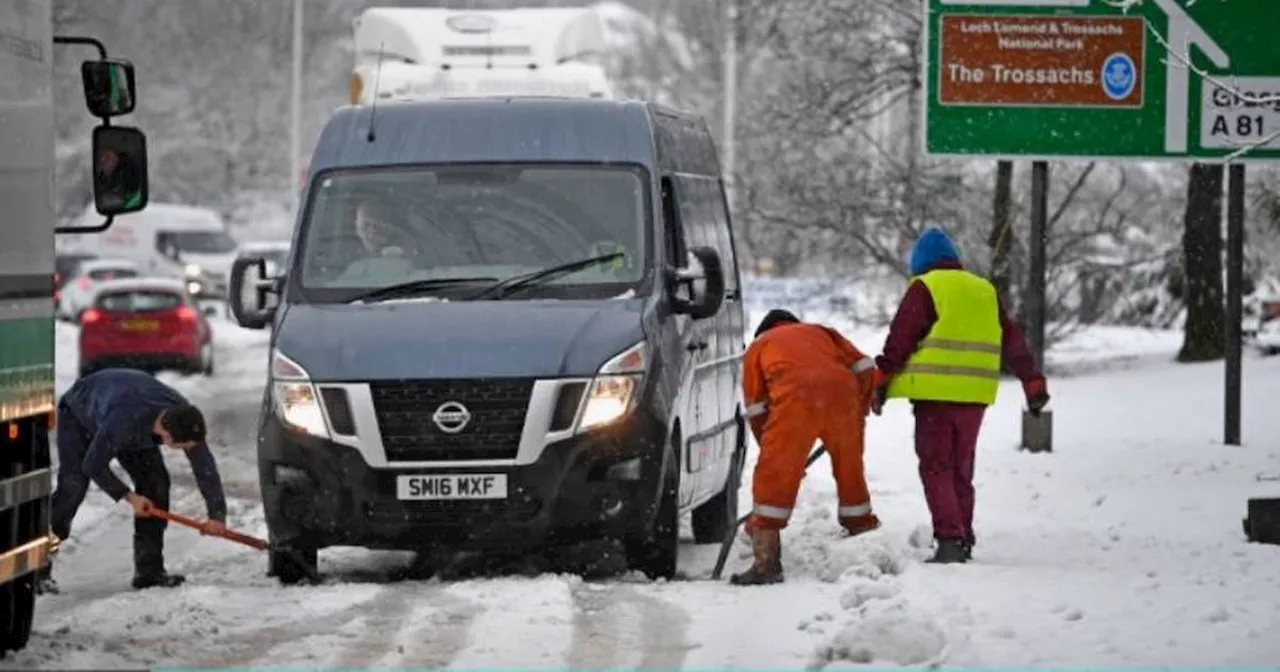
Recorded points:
(240,538)
(727,544)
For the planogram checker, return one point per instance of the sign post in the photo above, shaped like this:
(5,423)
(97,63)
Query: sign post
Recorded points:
(1046,80)
(1235,303)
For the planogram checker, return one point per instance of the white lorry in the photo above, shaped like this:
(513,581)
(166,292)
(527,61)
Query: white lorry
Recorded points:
(423,54)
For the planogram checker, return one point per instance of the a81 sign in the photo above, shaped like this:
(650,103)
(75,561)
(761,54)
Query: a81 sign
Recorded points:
(1056,79)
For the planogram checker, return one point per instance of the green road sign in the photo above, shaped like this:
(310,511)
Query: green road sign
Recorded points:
(1085,79)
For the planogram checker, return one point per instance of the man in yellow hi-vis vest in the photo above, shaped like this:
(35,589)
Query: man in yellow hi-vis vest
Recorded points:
(943,352)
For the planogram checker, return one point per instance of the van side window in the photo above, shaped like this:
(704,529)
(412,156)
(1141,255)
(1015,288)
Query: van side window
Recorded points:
(693,212)
(677,247)
(724,236)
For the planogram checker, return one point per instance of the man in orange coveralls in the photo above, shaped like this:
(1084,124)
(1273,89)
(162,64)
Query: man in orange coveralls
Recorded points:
(803,382)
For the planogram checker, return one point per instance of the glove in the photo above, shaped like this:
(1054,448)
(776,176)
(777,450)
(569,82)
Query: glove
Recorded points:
(1037,393)
(881,392)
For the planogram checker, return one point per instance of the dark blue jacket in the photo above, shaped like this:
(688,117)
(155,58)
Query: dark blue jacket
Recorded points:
(117,408)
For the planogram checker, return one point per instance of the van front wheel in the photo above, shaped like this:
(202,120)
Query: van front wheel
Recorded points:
(283,565)
(656,554)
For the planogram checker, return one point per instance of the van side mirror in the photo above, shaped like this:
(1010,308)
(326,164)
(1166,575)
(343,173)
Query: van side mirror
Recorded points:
(248,291)
(109,87)
(704,276)
(119,170)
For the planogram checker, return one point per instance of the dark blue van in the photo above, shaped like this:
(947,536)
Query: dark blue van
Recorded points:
(505,323)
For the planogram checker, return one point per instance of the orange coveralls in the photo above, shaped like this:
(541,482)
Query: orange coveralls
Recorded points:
(803,382)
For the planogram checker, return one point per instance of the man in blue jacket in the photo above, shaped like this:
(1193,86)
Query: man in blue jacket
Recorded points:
(126,415)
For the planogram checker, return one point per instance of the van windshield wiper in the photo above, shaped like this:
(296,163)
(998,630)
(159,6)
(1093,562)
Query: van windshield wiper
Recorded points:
(512,284)
(413,287)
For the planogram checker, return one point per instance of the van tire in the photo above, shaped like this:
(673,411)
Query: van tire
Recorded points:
(717,518)
(656,552)
(284,566)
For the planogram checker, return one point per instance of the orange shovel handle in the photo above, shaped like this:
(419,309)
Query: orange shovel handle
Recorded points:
(232,535)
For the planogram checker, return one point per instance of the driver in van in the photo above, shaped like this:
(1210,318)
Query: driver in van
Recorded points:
(389,245)
(378,225)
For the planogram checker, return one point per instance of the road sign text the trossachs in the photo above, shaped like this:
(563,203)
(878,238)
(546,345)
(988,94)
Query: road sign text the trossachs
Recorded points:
(1040,60)
(1084,79)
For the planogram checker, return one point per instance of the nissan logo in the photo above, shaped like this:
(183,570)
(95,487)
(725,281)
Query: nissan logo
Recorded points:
(471,23)
(451,417)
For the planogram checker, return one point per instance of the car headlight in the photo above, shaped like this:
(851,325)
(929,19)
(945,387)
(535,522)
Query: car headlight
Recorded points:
(192,269)
(613,390)
(296,401)
(193,287)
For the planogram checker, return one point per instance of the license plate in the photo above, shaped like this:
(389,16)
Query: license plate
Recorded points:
(452,486)
(140,325)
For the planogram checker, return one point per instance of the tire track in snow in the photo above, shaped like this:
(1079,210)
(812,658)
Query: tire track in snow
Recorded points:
(413,626)
(595,623)
(611,621)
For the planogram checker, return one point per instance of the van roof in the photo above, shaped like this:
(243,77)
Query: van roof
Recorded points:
(505,129)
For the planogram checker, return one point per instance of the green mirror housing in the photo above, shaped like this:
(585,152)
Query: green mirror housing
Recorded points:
(119,170)
(109,87)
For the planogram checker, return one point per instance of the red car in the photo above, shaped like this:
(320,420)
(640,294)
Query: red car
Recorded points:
(151,324)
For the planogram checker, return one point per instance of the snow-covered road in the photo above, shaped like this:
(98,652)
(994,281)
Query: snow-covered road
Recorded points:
(1123,548)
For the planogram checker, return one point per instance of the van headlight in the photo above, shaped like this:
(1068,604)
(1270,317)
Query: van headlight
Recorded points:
(192,269)
(295,399)
(613,390)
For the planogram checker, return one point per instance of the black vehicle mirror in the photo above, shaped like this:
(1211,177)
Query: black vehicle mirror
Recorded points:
(704,275)
(119,170)
(248,292)
(109,87)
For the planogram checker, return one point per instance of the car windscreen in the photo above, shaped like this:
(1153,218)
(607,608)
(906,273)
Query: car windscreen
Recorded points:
(375,228)
(199,242)
(138,300)
(65,265)
(112,273)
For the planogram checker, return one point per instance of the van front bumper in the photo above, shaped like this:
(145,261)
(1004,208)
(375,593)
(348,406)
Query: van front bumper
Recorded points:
(318,493)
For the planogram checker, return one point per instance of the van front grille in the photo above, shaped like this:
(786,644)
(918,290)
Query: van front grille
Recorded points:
(496,406)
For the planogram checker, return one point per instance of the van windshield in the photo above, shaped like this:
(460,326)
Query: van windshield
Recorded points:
(375,228)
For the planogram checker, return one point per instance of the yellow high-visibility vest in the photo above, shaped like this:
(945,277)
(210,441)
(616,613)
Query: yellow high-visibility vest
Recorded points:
(959,359)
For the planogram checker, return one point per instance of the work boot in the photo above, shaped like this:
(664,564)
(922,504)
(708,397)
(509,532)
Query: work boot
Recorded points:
(860,525)
(161,580)
(949,551)
(45,585)
(768,565)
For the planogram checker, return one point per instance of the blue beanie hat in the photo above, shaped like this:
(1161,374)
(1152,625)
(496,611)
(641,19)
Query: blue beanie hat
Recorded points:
(933,246)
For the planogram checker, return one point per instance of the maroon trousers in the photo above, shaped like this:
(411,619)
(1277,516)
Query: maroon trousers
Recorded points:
(946,444)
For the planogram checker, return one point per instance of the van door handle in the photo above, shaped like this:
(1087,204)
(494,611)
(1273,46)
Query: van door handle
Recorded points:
(696,346)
